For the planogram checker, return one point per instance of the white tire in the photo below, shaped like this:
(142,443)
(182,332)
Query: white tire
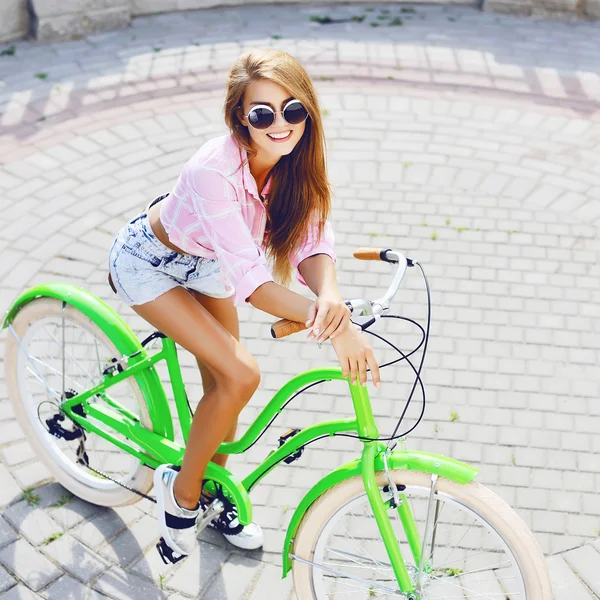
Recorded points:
(28,394)
(495,515)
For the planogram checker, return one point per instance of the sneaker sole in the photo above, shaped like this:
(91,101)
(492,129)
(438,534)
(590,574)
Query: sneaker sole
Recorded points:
(160,503)
(240,544)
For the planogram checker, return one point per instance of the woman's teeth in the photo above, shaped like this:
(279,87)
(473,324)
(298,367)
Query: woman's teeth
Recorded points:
(279,136)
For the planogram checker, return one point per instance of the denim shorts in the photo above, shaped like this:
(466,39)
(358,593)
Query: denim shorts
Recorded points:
(143,268)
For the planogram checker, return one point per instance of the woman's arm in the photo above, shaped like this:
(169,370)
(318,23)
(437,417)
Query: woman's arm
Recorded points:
(278,301)
(328,316)
(319,273)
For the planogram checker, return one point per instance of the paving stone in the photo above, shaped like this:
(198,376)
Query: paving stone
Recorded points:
(10,430)
(132,542)
(17,453)
(105,525)
(70,589)
(151,566)
(565,584)
(28,564)
(6,580)
(198,569)
(52,495)
(270,584)
(75,558)
(7,533)
(9,490)
(584,561)
(32,474)
(74,512)
(234,580)
(32,522)
(20,592)
(122,585)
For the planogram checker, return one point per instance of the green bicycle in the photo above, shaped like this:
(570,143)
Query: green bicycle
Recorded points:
(393,523)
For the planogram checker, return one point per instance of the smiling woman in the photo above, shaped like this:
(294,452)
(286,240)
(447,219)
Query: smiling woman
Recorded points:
(258,193)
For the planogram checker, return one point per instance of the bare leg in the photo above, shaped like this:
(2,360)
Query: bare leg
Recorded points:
(235,372)
(225,312)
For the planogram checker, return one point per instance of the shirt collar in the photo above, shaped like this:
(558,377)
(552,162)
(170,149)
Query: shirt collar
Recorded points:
(248,178)
(267,188)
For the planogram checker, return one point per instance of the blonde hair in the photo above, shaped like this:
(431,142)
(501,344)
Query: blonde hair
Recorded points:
(300,191)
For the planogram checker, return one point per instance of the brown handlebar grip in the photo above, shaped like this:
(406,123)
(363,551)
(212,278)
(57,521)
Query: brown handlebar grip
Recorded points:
(368,253)
(286,327)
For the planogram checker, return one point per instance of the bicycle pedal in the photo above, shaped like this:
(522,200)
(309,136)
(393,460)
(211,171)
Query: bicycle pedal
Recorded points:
(295,455)
(166,552)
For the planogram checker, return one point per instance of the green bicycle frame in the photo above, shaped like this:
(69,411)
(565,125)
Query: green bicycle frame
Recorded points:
(157,446)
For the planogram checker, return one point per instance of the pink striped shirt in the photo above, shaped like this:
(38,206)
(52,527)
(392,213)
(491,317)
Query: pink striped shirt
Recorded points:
(215,211)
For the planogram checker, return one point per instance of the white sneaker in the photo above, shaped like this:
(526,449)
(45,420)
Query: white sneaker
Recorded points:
(249,537)
(177,525)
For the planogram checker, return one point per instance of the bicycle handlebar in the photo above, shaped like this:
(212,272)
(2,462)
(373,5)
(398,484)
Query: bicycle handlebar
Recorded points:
(376,308)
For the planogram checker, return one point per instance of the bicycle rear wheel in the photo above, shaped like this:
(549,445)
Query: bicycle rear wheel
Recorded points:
(482,550)
(58,352)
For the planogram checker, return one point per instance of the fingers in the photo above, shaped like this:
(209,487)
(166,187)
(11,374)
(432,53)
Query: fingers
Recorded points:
(353,369)
(372,362)
(321,321)
(331,328)
(327,319)
(362,368)
(356,357)
(344,321)
(358,369)
(312,311)
(344,363)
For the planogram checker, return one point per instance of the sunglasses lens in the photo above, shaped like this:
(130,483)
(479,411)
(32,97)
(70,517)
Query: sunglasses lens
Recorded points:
(261,117)
(295,113)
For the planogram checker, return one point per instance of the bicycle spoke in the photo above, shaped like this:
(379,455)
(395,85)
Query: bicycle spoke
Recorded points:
(448,581)
(75,362)
(357,589)
(54,371)
(43,383)
(457,545)
(471,555)
(483,569)
(98,357)
(359,546)
(377,562)
(371,594)
(502,595)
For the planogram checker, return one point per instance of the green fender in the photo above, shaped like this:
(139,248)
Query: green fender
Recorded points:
(401,459)
(117,331)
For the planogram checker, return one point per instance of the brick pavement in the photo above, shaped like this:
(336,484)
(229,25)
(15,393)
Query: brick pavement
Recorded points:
(469,141)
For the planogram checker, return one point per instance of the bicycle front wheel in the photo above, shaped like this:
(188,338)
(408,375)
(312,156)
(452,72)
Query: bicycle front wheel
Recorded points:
(55,353)
(478,548)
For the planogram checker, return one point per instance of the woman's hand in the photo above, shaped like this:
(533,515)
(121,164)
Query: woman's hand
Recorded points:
(355,355)
(328,316)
